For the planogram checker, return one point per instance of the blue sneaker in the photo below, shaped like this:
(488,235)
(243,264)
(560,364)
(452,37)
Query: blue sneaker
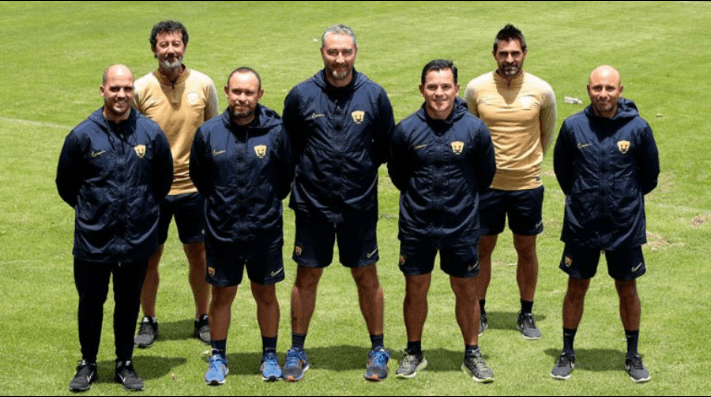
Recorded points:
(217,371)
(377,365)
(269,365)
(295,365)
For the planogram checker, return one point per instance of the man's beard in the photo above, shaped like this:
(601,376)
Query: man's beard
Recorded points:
(172,65)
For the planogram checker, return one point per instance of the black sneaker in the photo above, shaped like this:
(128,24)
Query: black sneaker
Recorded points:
(475,366)
(527,325)
(84,377)
(635,367)
(483,324)
(127,376)
(147,333)
(564,366)
(202,329)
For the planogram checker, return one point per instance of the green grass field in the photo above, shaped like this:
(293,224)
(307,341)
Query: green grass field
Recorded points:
(53,55)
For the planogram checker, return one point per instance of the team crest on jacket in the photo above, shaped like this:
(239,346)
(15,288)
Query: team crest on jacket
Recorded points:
(211,271)
(568,261)
(297,250)
(623,146)
(358,116)
(457,147)
(140,151)
(261,151)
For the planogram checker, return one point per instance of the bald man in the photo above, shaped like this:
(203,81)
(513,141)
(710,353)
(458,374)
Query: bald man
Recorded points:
(605,160)
(114,169)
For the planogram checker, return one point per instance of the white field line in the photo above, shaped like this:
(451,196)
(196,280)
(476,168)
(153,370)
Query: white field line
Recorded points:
(33,123)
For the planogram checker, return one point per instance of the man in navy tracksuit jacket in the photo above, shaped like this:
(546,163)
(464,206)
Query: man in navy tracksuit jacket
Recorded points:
(605,161)
(242,163)
(114,169)
(441,160)
(339,122)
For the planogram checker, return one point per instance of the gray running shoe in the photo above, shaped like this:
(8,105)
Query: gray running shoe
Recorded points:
(84,377)
(483,324)
(147,333)
(475,366)
(410,364)
(202,329)
(635,367)
(127,376)
(564,367)
(527,325)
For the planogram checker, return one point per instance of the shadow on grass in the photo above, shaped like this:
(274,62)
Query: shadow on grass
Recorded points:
(176,330)
(507,320)
(596,360)
(146,367)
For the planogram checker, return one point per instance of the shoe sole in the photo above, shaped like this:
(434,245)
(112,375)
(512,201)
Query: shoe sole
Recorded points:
(474,378)
(420,367)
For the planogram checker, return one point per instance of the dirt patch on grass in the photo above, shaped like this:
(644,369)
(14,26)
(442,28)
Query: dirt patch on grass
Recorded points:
(700,220)
(656,242)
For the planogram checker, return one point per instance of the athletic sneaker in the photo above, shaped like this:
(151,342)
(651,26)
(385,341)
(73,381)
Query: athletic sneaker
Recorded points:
(147,333)
(84,377)
(565,365)
(127,376)
(376,368)
(475,366)
(217,370)
(483,324)
(635,367)
(527,325)
(202,329)
(269,365)
(295,365)
(410,364)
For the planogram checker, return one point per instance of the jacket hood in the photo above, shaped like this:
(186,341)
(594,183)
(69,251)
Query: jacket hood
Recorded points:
(265,118)
(626,110)
(98,118)
(320,80)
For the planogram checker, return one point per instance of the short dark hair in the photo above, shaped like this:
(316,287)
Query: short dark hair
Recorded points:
(508,33)
(245,70)
(168,26)
(439,64)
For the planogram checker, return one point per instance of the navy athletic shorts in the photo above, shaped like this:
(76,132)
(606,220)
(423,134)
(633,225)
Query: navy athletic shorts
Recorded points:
(622,265)
(189,211)
(523,207)
(357,240)
(418,257)
(226,264)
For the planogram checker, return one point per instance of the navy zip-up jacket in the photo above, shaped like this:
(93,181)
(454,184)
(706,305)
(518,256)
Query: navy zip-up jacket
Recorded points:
(440,168)
(114,176)
(340,138)
(244,172)
(605,166)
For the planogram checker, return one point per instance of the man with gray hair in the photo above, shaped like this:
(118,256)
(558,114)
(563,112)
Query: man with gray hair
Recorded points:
(339,122)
